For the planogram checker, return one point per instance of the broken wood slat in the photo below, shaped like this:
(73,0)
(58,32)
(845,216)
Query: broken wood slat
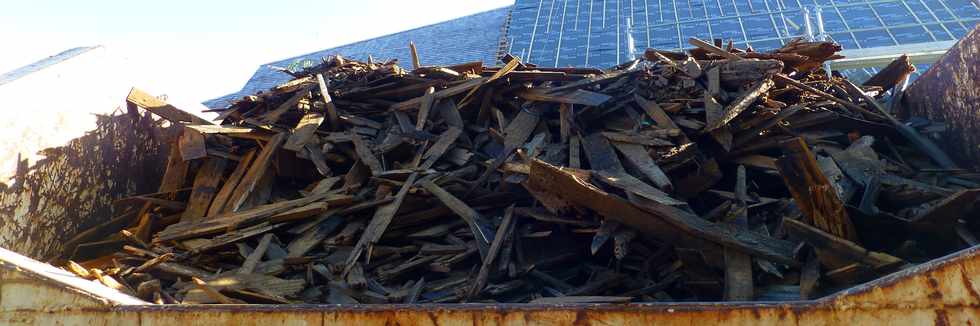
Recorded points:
(847,104)
(665,224)
(502,232)
(304,131)
(258,169)
(578,96)
(227,190)
(741,104)
(811,190)
(415,56)
(192,145)
(923,143)
(892,74)
(382,218)
(273,116)
(253,259)
(231,220)
(174,178)
(636,139)
(213,293)
(435,152)
(332,114)
(467,213)
(366,155)
(738,266)
(638,156)
(942,215)
(205,188)
(444,93)
(313,236)
(842,248)
(713,49)
(428,100)
(631,184)
(223,130)
(162,109)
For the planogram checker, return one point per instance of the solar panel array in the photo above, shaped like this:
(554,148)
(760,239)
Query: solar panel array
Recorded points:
(594,32)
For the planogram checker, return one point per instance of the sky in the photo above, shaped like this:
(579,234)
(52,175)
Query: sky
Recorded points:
(198,49)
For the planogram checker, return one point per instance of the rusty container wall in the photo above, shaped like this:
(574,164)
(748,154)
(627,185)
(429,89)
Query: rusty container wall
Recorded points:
(950,92)
(76,185)
(73,187)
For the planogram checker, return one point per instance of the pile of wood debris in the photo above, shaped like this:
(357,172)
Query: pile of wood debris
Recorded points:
(718,174)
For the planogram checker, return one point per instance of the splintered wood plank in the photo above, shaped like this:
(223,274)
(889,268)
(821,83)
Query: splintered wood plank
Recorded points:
(416,64)
(192,145)
(216,129)
(578,96)
(515,135)
(575,152)
(640,158)
(256,172)
(439,148)
(312,237)
(218,204)
(174,177)
(738,266)
(600,153)
(811,190)
(379,223)
(300,212)
(629,183)
(205,188)
(211,293)
(924,144)
(657,113)
(713,49)
(942,215)
(234,220)
(714,81)
(841,248)
(565,121)
(162,109)
(428,99)
(713,111)
(272,117)
(441,94)
(366,155)
(467,213)
(740,104)
(636,139)
(332,114)
(498,240)
(318,159)
(255,257)
(304,132)
(665,223)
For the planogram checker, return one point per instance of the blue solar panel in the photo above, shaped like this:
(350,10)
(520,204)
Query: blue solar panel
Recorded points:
(764,24)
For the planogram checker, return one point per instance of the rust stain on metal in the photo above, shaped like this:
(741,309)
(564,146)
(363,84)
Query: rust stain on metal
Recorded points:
(950,92)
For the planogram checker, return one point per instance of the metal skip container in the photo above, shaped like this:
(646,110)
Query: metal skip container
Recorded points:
(67,191)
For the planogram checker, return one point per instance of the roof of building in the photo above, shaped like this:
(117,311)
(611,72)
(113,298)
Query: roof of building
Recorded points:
(44,63)
(470,38)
